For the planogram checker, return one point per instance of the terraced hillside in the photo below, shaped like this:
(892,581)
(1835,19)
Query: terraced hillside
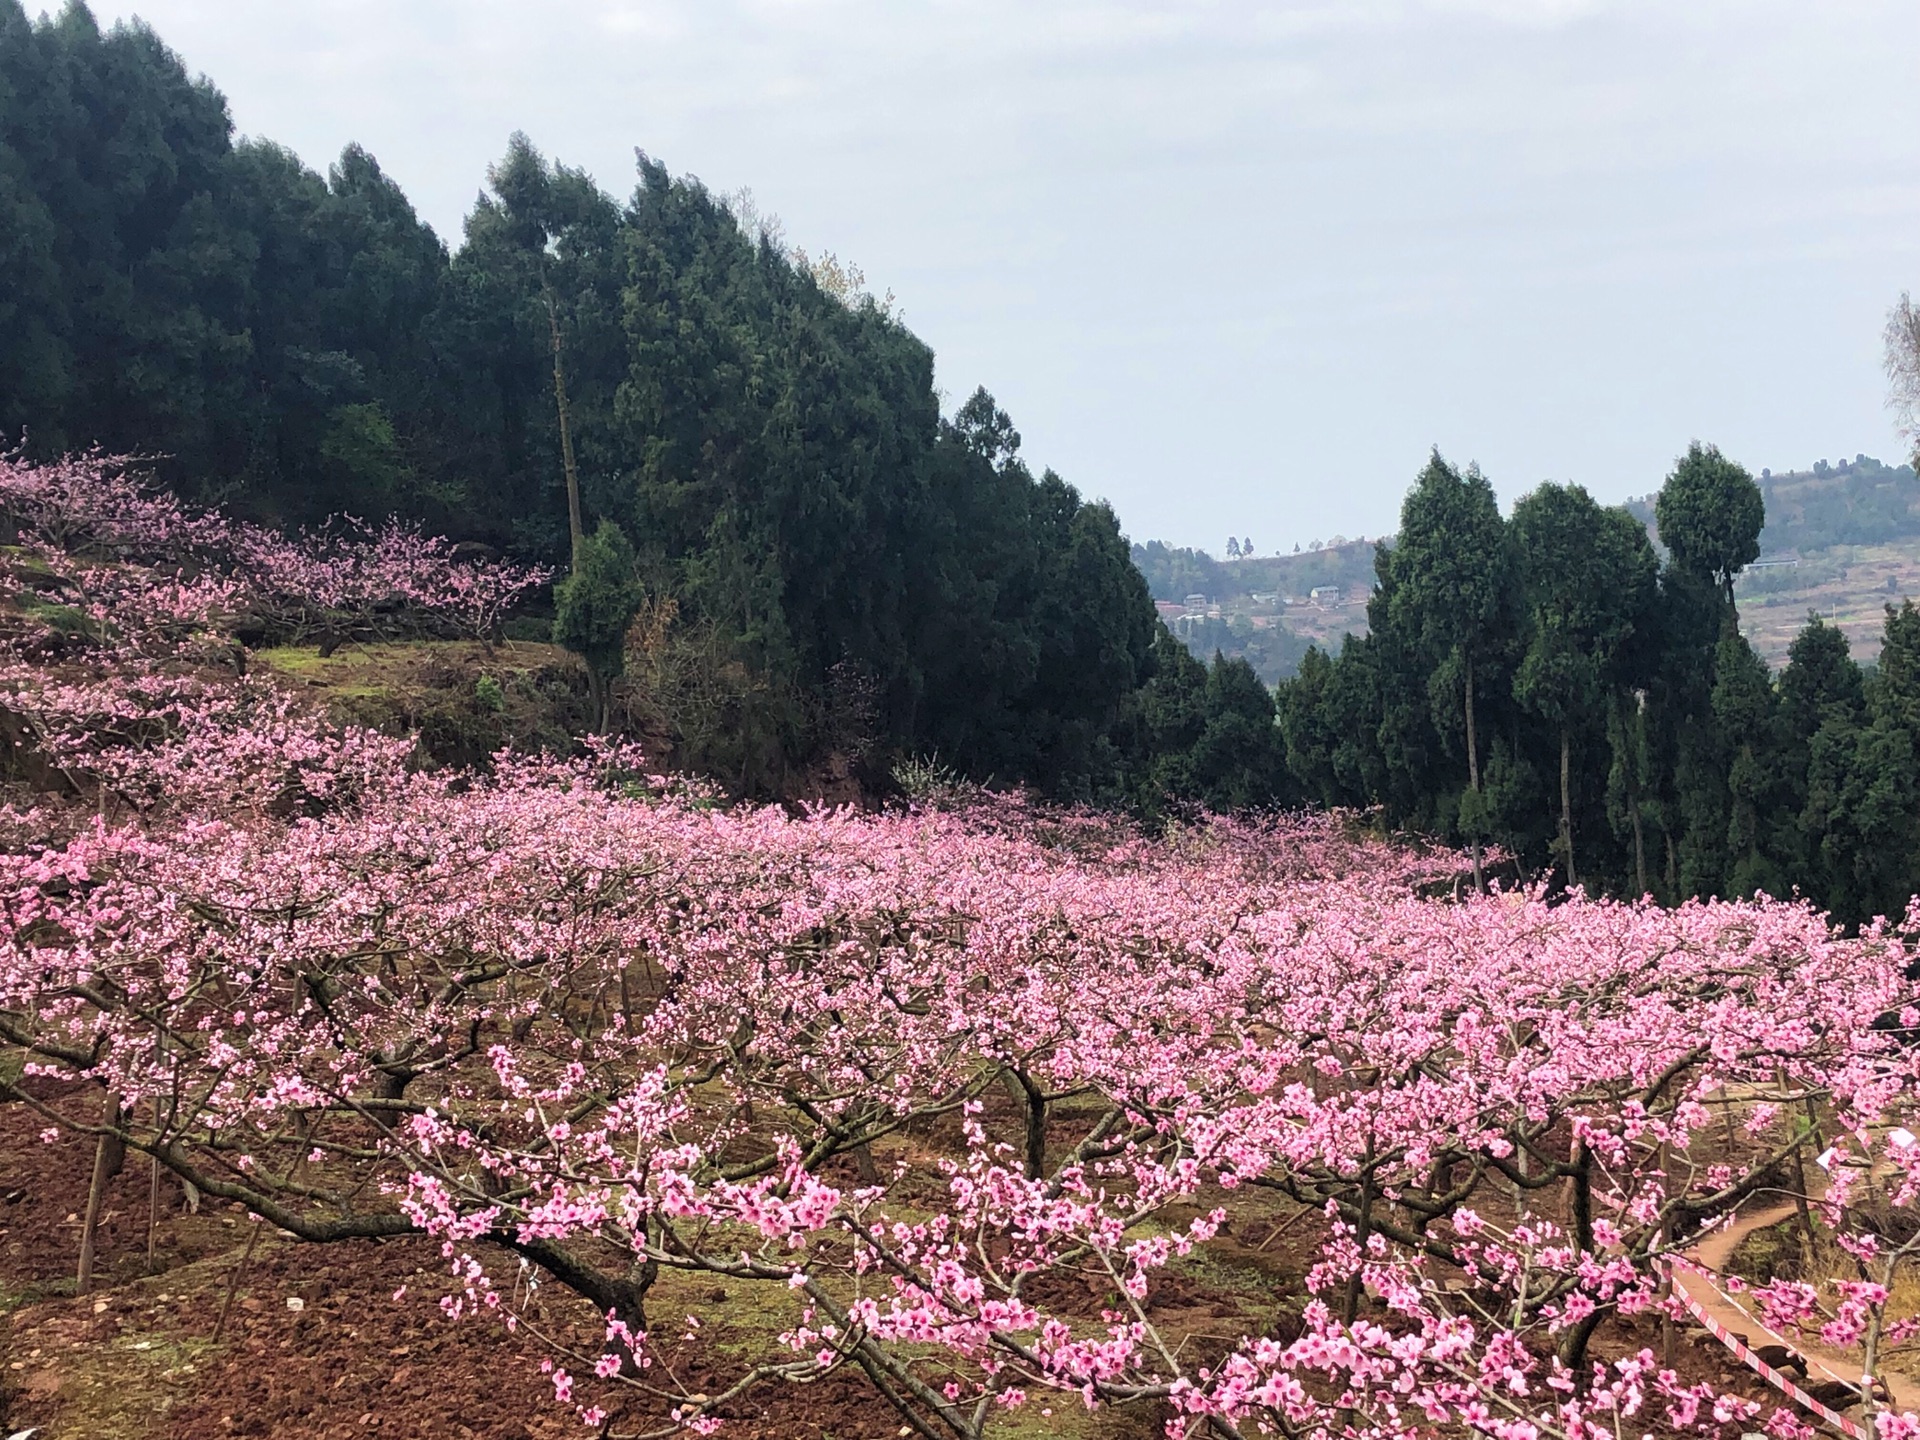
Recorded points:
(1848,585)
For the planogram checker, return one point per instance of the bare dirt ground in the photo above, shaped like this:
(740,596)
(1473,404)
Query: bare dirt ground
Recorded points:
(343,1341)
(321,1343)
(316,1343)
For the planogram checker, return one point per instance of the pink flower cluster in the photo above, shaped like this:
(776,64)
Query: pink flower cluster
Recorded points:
(138,560)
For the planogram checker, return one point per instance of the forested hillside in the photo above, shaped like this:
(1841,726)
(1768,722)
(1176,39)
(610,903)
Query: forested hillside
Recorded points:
(826,569)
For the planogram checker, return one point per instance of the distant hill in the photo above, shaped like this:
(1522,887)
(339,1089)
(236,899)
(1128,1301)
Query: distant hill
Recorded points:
(1264,609)
(1855,502)
(1861,501)
(1841,538)
(1174,574)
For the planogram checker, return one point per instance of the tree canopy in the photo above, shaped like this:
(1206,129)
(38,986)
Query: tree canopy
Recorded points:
(1710,514)
(1629,737)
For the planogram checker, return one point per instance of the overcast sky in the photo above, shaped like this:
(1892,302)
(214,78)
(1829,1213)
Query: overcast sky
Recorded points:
(1233,266)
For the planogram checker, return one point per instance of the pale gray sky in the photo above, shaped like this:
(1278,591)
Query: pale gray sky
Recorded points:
(1233,266)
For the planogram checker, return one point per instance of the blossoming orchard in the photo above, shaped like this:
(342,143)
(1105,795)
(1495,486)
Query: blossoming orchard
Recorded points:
(950,1099)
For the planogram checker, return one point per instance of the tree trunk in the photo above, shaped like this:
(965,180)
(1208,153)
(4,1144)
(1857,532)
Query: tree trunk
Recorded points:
(1633,803)
(1473,738)
(598,698)
(233,1279)
(1473,771)
(1034,1101)
(1808,1241)
(1572,1349)
(1580,1195)
(576,528)
(1566,807)
(153,1211)
(1362,1229)
(1666,1240)
(109,1154)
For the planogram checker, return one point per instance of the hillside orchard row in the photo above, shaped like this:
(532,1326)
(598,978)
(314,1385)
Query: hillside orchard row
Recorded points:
(915,1082)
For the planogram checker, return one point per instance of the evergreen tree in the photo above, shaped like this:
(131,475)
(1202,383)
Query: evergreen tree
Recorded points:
(1895,693)
(593,606)
(1858,825)
(1238,759)
(1588,575)
(1820,685)
(1309,732)
(1745,710)
(1710,514)
(1452,574)
(1169,717)
(543,258)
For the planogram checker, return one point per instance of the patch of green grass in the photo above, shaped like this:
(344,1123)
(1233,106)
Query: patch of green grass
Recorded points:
(1775,1253)
(128,1384)
(398,661)
(26,561)
(346,672)
(744,1327)
(292,659)
(63,619)
(16,1297)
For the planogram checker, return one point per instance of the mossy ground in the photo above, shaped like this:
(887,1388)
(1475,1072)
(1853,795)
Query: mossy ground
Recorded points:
(465,700)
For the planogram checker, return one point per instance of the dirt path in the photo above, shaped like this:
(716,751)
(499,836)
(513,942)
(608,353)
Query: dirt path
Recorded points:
(1713,1253)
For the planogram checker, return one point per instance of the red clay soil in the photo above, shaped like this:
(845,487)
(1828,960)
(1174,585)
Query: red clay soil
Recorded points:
(355,1362)
(43,1189)
(351,1361)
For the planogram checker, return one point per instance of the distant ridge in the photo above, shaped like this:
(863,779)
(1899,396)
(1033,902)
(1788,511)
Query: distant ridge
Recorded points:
(1862,501)
(1836,541)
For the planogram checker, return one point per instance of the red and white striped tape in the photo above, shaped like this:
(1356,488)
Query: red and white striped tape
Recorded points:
(1753,1362)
